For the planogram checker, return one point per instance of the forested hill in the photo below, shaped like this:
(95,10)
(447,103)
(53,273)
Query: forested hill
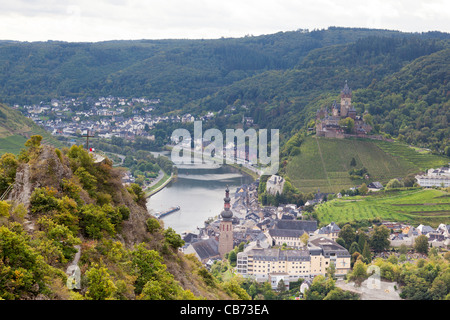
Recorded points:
(402,82)
(281,78)
(175,71)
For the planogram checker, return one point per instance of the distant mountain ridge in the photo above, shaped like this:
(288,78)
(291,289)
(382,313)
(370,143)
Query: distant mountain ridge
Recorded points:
(281,78)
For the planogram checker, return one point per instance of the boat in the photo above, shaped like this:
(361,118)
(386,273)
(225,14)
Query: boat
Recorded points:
(165,213)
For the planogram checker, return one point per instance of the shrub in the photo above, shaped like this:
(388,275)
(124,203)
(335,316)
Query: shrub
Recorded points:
(152,225)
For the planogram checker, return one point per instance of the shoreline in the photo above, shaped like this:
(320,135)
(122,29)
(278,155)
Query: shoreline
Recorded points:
(148,194)
(242,169)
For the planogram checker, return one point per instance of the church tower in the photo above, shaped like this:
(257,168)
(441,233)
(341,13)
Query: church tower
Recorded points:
(346,100)
(226,227)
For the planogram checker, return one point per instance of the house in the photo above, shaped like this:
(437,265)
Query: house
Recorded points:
(279,237)
(331,231)
(275,185)
(435,178)
(424,229)
(204,250)
(375,186)
(276,277)
(309,226)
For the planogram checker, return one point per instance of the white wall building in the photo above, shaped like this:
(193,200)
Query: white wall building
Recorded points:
(435,178)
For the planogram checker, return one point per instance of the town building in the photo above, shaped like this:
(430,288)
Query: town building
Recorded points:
(263,264)
(226,227)
(330,231)
(275,185)
(435,178)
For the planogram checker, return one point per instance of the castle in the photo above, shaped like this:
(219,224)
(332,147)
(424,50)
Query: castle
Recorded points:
(327,123)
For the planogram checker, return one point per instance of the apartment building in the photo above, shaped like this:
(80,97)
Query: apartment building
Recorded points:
(307,262)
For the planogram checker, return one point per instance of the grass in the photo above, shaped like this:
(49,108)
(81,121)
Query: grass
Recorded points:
(12,144)
(160,184)
(324,163)
(415,156)
(15,128)
(426,206)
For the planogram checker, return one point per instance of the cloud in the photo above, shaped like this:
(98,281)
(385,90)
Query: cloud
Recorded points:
(95,20)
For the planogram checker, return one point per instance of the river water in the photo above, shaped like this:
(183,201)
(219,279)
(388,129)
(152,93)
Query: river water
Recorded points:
(199,191)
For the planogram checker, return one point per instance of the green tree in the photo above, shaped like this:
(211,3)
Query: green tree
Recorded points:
(4,209)
(34,142)
(281,287)
(354,248)
(347,124)
(347,234)
(331,271)
(363,189)
(394,184)
(100,283)
(232,257)
(366,253)
(173,238)
(359,273)
(421,244)
(379,238)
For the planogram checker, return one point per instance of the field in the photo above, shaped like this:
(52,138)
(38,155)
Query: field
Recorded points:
(324,163)
(12,144)
(426,206)
(15,128)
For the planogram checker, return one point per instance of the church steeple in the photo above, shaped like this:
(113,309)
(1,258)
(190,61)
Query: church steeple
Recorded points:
(346,92)
(226,227)
(227,213)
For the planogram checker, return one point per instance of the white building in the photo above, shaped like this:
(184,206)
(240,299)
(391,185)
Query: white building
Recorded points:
(275,184)
(435,178)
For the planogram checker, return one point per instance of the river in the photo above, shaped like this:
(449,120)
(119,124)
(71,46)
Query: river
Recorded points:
(199,191)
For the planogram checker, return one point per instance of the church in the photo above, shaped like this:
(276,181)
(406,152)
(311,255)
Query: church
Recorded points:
(327,122)
(211,249)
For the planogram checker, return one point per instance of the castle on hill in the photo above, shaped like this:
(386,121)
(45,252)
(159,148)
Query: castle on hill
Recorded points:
(327,122)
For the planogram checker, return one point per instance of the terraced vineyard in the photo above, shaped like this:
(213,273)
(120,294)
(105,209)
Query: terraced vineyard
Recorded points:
(426,206)
(12,144)
(324,163)
(15,128)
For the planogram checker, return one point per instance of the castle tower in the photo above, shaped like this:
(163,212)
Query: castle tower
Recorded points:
(346,100)
(226,227)
(334,109)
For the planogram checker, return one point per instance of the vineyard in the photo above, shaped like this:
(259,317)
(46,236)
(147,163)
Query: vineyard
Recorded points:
(426,206)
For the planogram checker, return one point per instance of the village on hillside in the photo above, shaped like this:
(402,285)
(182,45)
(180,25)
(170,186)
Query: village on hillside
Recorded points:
(104,117)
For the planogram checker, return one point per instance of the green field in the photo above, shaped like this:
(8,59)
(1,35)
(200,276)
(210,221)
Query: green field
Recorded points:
(324,163)
(12,144)
(426,206)
(15,128)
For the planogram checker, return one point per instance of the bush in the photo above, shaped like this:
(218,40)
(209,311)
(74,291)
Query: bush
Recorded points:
(43,200)
(152,225)
(95,222)
(173,238)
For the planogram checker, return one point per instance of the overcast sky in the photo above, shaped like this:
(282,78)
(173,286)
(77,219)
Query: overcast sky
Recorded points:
(98,20)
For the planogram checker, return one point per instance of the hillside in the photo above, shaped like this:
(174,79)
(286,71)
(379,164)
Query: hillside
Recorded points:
(417,206)
(15,129)
(325,163)
(177,71)
(403,83)
(64,202)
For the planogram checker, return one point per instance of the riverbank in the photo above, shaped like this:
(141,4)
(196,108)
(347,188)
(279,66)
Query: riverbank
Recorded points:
(243,168)
(159,185)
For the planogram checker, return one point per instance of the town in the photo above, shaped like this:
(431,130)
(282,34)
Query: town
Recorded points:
(104,117)
(284,242)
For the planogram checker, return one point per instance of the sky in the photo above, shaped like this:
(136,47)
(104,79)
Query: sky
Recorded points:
(100,20)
